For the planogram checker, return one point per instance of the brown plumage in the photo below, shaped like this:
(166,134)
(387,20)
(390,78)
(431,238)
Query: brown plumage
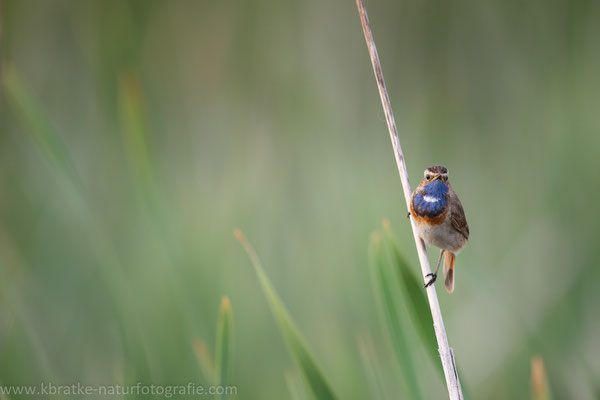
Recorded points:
(440,219)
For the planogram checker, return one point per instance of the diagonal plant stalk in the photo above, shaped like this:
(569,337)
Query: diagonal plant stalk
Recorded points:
(224,353)
(385,286)
(296,343)
(446,353)
(540,389)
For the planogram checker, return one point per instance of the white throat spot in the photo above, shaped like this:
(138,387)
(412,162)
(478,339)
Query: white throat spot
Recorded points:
(430,199)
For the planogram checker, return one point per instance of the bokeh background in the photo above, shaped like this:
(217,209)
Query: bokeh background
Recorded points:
(158,127)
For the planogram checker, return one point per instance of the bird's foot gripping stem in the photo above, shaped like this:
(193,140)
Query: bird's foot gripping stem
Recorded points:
(431,281)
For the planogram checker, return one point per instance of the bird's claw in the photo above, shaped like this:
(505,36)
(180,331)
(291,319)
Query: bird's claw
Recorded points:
(408,215)
(431,281)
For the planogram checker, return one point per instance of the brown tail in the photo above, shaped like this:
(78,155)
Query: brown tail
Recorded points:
(449,270)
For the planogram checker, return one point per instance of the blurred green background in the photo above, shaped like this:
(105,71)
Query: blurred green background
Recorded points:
(160,126)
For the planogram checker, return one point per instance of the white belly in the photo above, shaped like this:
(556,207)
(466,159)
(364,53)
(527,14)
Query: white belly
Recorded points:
(443,236)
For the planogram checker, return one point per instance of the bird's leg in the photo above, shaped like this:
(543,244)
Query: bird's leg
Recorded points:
(437,268)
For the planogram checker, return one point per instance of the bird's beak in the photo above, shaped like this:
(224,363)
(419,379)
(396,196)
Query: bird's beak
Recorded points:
(434,178)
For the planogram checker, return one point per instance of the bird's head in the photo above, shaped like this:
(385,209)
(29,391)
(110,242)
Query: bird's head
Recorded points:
(435,175)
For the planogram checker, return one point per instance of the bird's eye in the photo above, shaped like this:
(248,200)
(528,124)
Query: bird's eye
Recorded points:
(444,178)
(428,177)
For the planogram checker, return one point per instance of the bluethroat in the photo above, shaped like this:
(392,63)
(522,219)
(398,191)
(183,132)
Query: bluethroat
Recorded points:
(440,220)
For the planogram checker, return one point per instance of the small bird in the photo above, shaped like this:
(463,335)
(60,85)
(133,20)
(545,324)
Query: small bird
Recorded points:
(440,220)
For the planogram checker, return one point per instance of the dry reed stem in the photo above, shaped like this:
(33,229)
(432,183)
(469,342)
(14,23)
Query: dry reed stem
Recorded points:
(446,353)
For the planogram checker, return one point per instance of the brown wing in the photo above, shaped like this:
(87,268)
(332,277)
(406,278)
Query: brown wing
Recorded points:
(457,215)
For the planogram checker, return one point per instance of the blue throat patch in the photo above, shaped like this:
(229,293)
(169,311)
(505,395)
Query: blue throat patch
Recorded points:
(433,202)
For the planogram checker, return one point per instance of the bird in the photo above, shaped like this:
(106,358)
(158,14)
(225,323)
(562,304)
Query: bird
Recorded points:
(440,220)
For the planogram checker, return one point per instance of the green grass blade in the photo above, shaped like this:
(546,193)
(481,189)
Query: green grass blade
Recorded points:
(205,361)
(40,127)
(415,298)
(387,291)
(224,354)
(372,367)
(135,131)
(295,385)
(296,343)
